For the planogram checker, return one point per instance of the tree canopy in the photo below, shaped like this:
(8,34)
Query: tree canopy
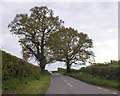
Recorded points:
(43,37)
(70,46)
(33,31)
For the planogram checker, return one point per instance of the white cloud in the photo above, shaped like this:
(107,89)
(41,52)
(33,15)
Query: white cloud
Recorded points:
(106,51)
(55,66)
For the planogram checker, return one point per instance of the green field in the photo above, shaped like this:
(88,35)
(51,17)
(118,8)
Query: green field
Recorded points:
(21,77)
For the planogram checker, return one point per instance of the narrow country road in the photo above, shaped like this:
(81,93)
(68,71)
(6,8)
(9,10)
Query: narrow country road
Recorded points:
(61,84)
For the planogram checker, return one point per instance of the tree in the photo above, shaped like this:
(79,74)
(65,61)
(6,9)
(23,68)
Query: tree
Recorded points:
(70,46)
(33,31)
(25,55)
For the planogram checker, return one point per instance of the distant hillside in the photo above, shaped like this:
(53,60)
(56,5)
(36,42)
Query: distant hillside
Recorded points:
(17,73)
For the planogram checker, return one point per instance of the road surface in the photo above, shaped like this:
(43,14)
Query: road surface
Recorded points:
(61,84)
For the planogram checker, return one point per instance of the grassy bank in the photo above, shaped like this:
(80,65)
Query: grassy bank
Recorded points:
(27,85)
(21,77)
(94,80)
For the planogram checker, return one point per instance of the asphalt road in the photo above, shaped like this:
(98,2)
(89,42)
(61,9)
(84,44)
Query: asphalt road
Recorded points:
(61,84)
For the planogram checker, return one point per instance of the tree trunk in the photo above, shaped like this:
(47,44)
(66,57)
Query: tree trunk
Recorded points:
(68,66)
(42,57)
(42,70)
(68,69)
(42,65)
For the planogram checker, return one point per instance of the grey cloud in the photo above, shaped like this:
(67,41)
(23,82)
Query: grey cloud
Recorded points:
(98,20)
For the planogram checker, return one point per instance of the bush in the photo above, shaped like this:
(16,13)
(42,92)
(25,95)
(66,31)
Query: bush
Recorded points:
(15,69)
(109,71)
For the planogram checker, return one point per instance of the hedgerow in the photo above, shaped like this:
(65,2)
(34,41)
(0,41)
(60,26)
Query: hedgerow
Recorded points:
(15,69)
(109,71)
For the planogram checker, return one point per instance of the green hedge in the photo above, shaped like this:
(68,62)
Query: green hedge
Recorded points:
(17,70)
(109,71)
(94,80)
(16,67)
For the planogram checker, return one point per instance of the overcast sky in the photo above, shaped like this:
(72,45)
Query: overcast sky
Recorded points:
(98,19)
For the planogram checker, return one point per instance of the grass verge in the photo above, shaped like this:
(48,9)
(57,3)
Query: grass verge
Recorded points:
(29,85)
(95,80)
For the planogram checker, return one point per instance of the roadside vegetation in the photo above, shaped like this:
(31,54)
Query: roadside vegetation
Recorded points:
(44,38)
(21,77)
(71,46)
(101,74)
(33,31)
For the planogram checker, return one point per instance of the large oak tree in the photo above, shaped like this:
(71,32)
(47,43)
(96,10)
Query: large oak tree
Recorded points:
(33,31)
(70,46)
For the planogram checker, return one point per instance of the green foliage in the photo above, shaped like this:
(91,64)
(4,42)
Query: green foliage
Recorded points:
(61,70)
(69,45)
(96,80)
(109,71)
(28,85)
(15,67)
(101,74)
(33,30)
(37,86)
(16,74)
